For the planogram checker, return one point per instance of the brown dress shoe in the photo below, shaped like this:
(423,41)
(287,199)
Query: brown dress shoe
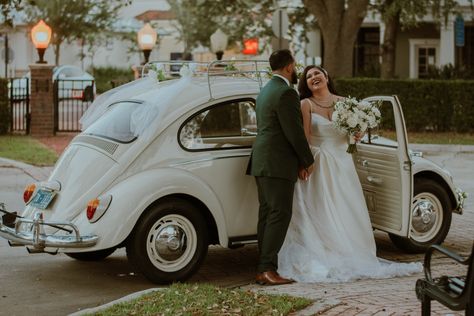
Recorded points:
(271,278)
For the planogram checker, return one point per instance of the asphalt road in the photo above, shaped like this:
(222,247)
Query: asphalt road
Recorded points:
(43,284)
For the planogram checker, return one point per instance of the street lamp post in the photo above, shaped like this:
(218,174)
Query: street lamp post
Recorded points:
(146,38)
(218,43)
(41,36)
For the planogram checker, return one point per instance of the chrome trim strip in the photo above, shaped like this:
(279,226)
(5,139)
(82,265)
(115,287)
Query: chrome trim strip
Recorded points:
(187,162)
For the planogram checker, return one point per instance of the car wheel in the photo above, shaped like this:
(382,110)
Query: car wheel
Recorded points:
(88,94)
(169,242)
(431,217)
(91,255)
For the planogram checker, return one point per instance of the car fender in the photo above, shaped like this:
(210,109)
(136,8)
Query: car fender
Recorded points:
(133,195)
(427,168)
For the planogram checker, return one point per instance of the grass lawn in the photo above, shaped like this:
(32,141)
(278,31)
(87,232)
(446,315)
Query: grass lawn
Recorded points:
(435,138)
(441,138)
(26,149)
(205,299)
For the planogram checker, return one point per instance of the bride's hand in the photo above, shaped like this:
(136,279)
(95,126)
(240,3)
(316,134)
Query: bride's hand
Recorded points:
(358,136)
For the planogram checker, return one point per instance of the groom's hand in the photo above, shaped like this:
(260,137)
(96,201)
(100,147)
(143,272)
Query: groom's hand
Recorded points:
(303,174)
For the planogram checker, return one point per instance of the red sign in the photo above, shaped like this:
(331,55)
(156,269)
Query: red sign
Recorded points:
(250,46)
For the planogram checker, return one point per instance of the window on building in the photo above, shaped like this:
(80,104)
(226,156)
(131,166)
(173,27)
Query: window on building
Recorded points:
(467,58)
(426,59)
(367,52)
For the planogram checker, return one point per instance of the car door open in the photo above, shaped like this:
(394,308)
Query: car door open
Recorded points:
(384,168)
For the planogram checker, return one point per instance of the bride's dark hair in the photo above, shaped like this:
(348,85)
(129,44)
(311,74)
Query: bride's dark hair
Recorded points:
(303,88)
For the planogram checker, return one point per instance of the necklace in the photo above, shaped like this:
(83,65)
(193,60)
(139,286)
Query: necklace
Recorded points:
(324,103)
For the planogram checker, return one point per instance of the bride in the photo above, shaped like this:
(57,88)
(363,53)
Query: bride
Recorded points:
(330,237)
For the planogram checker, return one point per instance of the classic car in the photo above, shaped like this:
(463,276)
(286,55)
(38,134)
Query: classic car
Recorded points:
(160,170)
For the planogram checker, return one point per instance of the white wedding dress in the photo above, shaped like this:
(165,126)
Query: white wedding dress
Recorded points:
(330,238)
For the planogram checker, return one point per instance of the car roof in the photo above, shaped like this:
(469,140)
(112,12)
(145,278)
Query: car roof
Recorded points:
(201,90)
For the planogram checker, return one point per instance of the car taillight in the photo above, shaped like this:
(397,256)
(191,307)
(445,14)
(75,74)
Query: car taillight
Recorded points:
(91,208)
(28,193)
(97,207)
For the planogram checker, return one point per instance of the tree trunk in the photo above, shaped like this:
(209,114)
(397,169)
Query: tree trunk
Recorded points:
(57,49)
(392,24)
(339,27)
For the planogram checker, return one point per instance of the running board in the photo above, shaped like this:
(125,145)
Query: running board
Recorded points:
(235,242)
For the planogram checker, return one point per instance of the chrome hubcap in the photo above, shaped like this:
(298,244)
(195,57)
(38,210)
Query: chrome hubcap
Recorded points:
(171,243)
(427,217)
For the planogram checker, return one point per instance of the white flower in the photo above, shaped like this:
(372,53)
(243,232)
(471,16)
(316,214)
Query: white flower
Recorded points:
(364,105)
(152,75)
(185,71)
(352,121)
(376,111)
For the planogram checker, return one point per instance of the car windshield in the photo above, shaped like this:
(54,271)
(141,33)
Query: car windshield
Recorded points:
(115,123)
(68,72)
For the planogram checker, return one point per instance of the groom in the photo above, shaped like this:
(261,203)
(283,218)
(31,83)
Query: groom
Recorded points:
(280,153)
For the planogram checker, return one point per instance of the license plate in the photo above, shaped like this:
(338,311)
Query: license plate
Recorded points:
(77,94)
(42,199)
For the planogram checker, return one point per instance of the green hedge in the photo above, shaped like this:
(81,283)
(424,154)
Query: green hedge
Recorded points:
(437,105)
(4,107)
(107,77)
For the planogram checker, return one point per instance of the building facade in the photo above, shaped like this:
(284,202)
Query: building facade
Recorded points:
(429,44)
(419,48)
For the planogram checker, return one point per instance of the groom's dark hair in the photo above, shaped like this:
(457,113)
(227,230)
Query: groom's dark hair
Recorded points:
(281,58)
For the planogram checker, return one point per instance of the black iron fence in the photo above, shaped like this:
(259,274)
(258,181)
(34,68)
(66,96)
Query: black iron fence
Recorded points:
(71,99)
(19,96)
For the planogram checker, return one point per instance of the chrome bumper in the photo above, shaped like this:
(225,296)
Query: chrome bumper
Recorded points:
(39,240)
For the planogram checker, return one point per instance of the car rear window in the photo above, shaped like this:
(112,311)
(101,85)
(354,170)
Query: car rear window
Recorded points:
(116,124)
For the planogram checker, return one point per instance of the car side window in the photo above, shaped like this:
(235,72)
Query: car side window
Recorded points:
(232,124)
(385,134)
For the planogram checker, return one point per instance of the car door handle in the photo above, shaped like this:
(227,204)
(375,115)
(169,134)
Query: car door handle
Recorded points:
(246,132)
(375,180)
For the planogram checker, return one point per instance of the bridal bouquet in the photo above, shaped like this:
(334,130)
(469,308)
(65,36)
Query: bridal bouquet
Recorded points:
(351,116)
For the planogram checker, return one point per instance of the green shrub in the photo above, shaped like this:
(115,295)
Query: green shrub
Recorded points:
(437,105)
(108,77)
(4,107)
(449,71)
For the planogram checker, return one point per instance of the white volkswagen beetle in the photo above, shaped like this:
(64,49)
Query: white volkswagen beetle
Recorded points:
(160,170)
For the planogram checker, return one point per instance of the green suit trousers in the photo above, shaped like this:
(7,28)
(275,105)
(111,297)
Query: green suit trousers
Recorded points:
(275,196)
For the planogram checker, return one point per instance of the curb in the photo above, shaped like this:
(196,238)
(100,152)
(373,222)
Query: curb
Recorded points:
(442,148)
(37,173)
(127,298)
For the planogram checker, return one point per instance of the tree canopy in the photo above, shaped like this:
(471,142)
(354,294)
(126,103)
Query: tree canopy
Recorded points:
(197,20)
(70,20)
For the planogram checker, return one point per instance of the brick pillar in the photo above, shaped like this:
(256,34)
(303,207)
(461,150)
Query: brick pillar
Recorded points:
(42,100)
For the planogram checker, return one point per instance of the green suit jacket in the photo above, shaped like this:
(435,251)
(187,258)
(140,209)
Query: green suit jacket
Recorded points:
(280,147)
